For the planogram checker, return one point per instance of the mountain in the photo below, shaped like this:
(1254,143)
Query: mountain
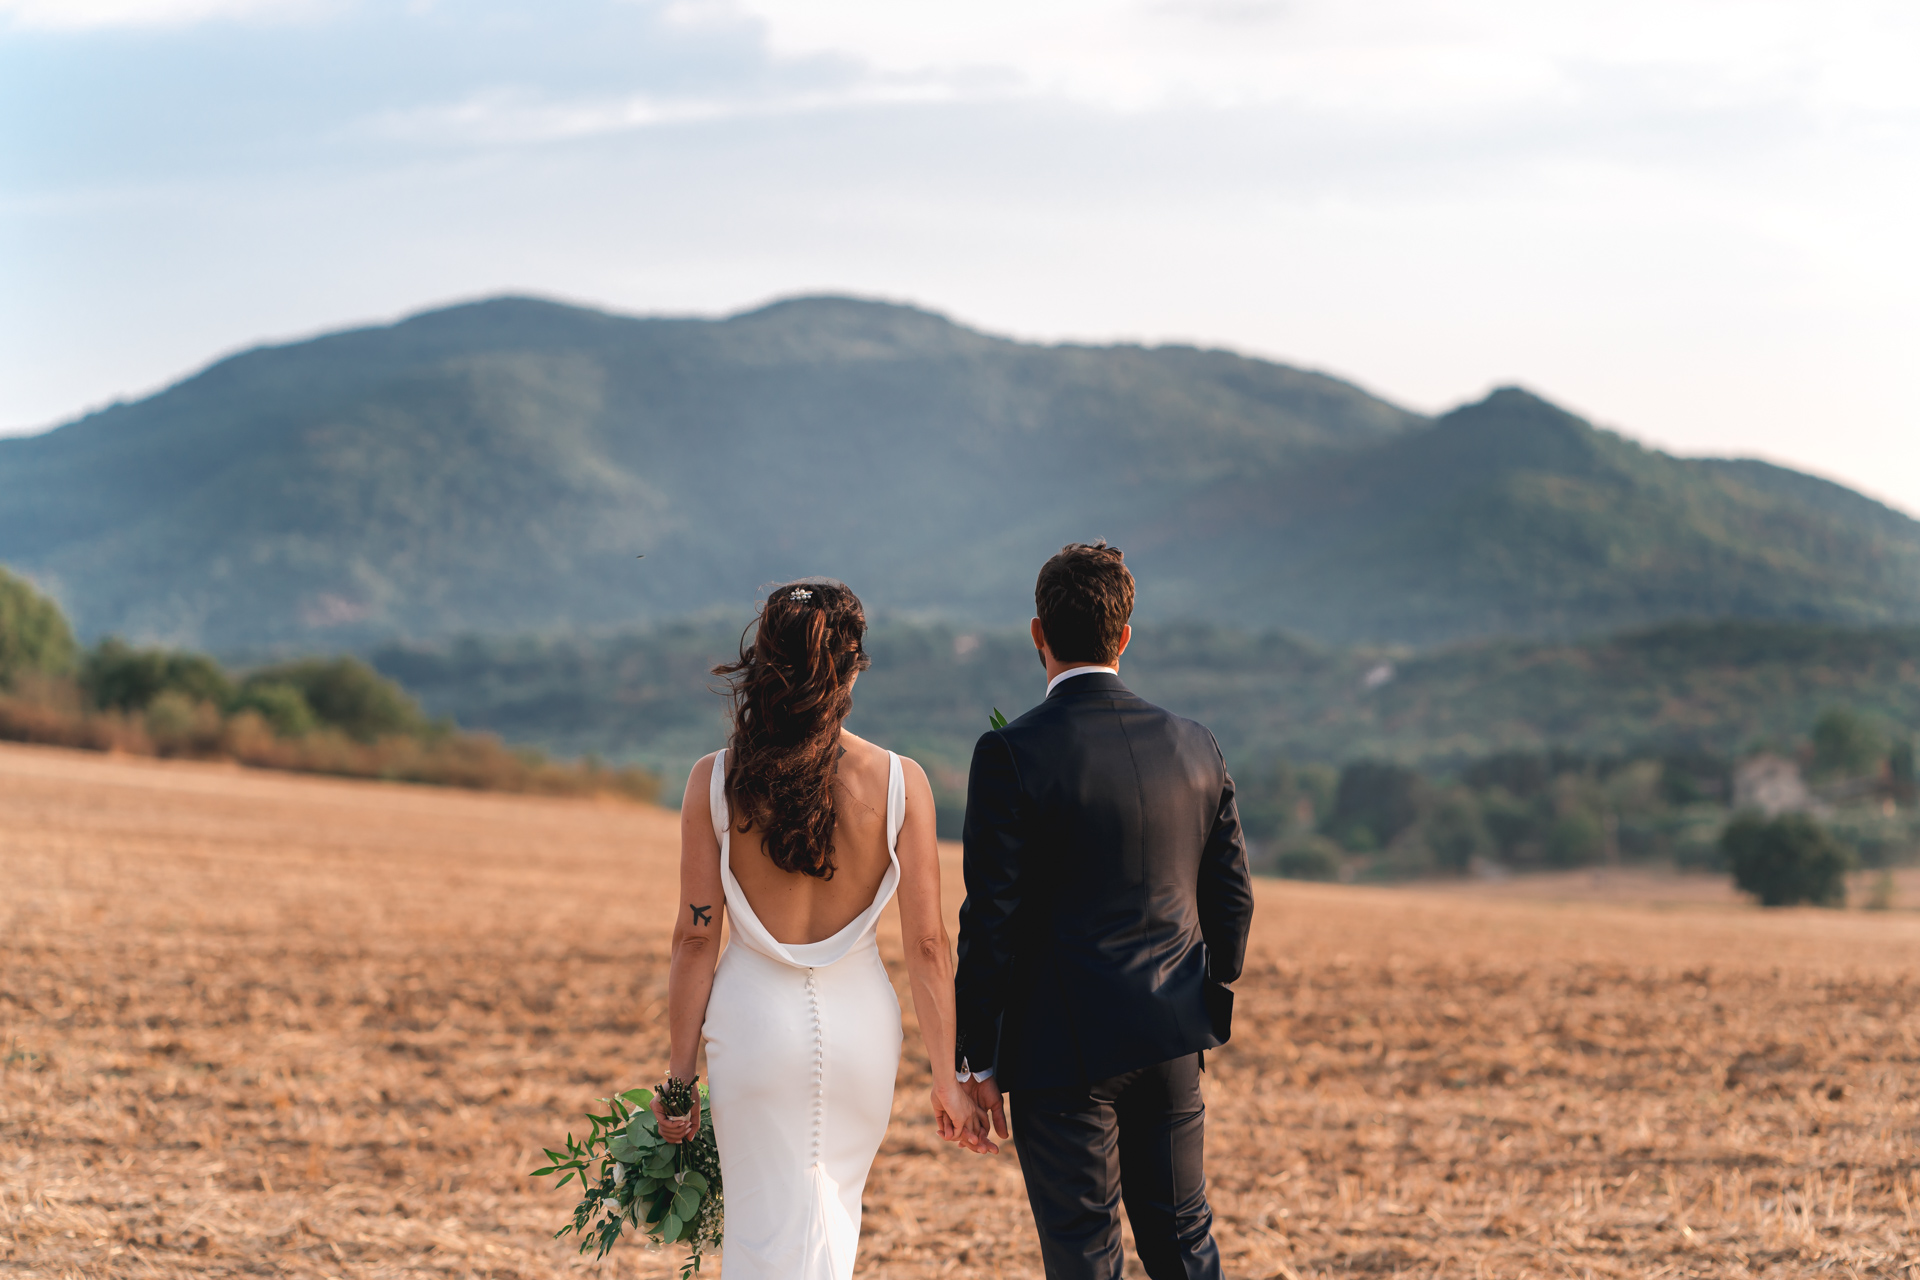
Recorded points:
(1717,687)
(496,468)
(1514,517)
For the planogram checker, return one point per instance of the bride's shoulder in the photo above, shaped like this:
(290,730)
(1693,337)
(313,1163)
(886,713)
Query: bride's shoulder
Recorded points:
(915,775)
(872,759)
(855,744)
(700,777)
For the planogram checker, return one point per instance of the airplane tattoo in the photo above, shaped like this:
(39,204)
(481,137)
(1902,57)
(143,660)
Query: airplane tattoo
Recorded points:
(701,915)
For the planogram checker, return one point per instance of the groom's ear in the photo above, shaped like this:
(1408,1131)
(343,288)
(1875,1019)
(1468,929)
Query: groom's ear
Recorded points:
(1126,638)
(1040,638)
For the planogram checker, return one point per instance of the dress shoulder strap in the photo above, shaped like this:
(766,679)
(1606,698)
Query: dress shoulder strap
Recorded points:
(896,800)
(717,797)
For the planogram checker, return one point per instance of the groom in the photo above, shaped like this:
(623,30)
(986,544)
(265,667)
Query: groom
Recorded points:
(1107,908)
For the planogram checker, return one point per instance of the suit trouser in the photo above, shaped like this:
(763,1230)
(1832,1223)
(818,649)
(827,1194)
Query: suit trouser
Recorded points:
(1137,1138)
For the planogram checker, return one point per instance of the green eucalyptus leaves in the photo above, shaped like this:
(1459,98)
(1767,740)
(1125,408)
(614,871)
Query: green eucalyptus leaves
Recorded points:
(630,1176)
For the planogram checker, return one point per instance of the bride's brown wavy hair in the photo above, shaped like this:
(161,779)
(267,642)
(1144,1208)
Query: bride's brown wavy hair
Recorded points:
(790,690)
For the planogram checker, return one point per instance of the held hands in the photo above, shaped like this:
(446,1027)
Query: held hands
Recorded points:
(959,1119)
(986,1096)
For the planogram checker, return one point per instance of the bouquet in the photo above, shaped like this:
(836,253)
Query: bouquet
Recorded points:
(630,1176)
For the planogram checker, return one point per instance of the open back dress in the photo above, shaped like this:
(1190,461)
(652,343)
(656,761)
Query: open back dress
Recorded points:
(803,1042)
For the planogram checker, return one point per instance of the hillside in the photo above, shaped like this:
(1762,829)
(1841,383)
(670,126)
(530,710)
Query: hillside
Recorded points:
(1721,687)
(1511,516)
(496,468)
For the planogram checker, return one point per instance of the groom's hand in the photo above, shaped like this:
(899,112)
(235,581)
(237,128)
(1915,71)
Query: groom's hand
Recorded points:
(986,1096)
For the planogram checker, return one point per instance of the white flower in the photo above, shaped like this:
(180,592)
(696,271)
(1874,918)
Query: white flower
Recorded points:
(619,1174)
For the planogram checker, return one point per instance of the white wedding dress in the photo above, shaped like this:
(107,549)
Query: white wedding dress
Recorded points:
(803,1041)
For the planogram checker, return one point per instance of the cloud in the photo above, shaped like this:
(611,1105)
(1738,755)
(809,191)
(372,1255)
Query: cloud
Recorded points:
(518,117)
(1381,57)
(1686,216)
(94,14)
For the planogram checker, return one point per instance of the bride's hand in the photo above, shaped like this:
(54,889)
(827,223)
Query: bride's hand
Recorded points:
(677,1128)
(958,1119)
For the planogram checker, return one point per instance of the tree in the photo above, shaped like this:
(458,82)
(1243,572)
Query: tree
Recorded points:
(280,704)
(1694,777)
(119,677)
(1577,839)
(1900,770)
(1374,803)
(1265,795)
(1846,744)
(1517,826)
(1787,860)
(1456,832)
(345,693)
(1278,798)
(1312,858)
(34,635)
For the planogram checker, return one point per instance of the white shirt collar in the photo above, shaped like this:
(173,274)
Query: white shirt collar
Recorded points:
(1071,672)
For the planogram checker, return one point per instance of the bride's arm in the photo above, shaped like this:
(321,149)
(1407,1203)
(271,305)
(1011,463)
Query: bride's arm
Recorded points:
(923,936)
(698,914)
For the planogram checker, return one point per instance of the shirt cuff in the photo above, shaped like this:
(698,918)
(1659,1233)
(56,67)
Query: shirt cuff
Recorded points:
(966,1074)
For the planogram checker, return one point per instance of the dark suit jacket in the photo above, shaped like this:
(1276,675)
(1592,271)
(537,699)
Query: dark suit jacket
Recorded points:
(1108,898)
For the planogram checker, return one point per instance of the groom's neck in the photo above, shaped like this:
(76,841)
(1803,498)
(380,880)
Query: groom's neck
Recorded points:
(1055,666)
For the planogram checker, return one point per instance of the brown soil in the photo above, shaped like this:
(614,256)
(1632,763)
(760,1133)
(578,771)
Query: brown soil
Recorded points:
(254,1024)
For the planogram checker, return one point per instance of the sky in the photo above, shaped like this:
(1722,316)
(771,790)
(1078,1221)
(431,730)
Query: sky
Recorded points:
(1690,220)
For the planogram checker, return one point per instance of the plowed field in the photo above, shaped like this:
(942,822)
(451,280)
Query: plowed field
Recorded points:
(253,1024)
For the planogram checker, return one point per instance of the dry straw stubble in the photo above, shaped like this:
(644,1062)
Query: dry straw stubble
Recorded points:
(259,1024)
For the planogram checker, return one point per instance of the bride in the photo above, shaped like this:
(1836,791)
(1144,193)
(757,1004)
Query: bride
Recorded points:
(797,835)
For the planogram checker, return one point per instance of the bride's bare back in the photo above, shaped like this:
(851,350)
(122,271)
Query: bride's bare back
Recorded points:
(799,908)
(799,1019)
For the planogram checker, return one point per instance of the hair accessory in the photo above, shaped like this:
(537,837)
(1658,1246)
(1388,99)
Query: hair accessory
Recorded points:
(800,593)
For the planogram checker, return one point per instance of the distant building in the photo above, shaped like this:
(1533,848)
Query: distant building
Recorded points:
(1772,784)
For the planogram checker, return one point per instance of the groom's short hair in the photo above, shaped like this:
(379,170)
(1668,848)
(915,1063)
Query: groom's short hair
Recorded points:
(1084,597)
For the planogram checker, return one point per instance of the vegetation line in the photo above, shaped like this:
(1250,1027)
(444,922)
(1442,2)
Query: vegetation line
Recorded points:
(317,715)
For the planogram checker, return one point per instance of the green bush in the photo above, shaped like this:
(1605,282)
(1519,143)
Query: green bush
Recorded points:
(34,635)
(1265,795)
(1847,744)
(280,704)
(1786,861)
(1873,839)
(1694,777)
(1374,803)
(119,677)
(1408,858)
(1312,858)
(1576,839)
(1278,798)
(183,725)
(346,694)
(1456,832)
(1514,824)
(1695,837)
(1518,773)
